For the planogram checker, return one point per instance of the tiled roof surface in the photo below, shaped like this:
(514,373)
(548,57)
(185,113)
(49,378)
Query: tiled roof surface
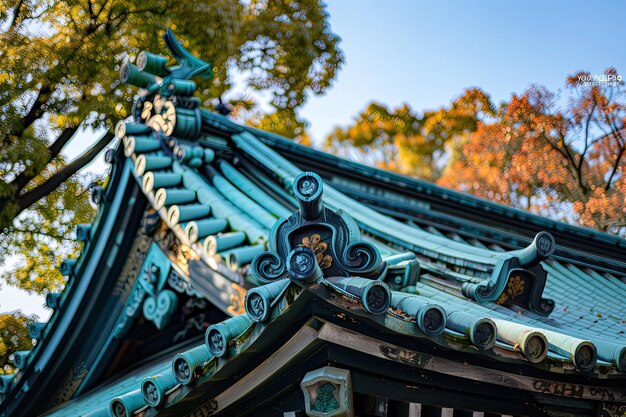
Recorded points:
(222,189)
(584,312)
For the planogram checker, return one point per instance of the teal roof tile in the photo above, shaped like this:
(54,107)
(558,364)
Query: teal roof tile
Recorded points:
(223,196)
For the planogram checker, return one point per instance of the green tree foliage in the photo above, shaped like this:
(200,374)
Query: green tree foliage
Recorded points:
(60,63)
(284,122)
(13,337)
(408,142)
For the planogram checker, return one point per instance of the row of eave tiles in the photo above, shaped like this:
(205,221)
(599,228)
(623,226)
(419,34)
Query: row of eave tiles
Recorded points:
(194,207)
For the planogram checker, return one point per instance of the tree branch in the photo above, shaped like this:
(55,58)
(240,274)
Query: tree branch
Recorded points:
(61,141)
(34,113)
(43,233)
(16,13)
(21,180)
(102,8)
(31,197)
(569,157)
(587,125)
(618,158)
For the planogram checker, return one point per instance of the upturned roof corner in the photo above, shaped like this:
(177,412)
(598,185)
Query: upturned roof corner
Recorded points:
(220,250)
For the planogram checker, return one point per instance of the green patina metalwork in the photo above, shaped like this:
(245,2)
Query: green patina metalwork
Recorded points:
(218,336)
(148,293)
(326,400)
(228,206)
(328,392)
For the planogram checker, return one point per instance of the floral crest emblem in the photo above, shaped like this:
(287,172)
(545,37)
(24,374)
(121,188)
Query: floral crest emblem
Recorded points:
(315,243)
(514,287)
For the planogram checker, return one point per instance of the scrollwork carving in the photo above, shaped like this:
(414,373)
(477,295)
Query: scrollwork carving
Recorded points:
(333,237)
(317,245)
(361,258)
(267,267)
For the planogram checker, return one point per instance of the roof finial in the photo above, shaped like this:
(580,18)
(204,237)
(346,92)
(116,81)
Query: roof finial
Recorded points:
(189,65)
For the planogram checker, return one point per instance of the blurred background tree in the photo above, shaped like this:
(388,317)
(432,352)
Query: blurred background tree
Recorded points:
(563,158)
(60,63)
(13,338)
(563,161)
(405,141)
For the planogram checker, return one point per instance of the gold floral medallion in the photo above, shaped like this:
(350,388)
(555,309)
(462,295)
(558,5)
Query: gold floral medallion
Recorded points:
(315,243)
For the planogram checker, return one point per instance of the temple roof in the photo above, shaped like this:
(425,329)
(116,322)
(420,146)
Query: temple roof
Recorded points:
(464,280)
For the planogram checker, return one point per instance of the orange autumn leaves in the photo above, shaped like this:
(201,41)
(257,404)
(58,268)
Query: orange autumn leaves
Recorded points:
(560,156)
(560,160)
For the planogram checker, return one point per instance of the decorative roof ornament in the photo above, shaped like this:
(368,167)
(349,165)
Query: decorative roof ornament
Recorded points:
(5,383)
(151,67)
(189,65)
(166,103)
(328,392)
(521,281)
(149,295)
(317,245)
(333,237)
(189,365)
(154,388)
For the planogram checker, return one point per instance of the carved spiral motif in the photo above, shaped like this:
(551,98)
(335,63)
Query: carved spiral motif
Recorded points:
(267,267)
(377,299)
(302,265)
(433,320)
(118,409)
(361,258)
(150,307)
(151,392)
(182,370)
(216,342)
(307,186)
(256,306)
(545,244)
(484,334)
(535,348)
(585,357)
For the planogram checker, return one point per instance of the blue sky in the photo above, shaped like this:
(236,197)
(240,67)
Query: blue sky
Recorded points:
(426,54)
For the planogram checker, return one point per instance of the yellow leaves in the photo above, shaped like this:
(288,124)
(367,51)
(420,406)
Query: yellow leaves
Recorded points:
(120,110)
(304,139)
(13,337)
(65,120)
